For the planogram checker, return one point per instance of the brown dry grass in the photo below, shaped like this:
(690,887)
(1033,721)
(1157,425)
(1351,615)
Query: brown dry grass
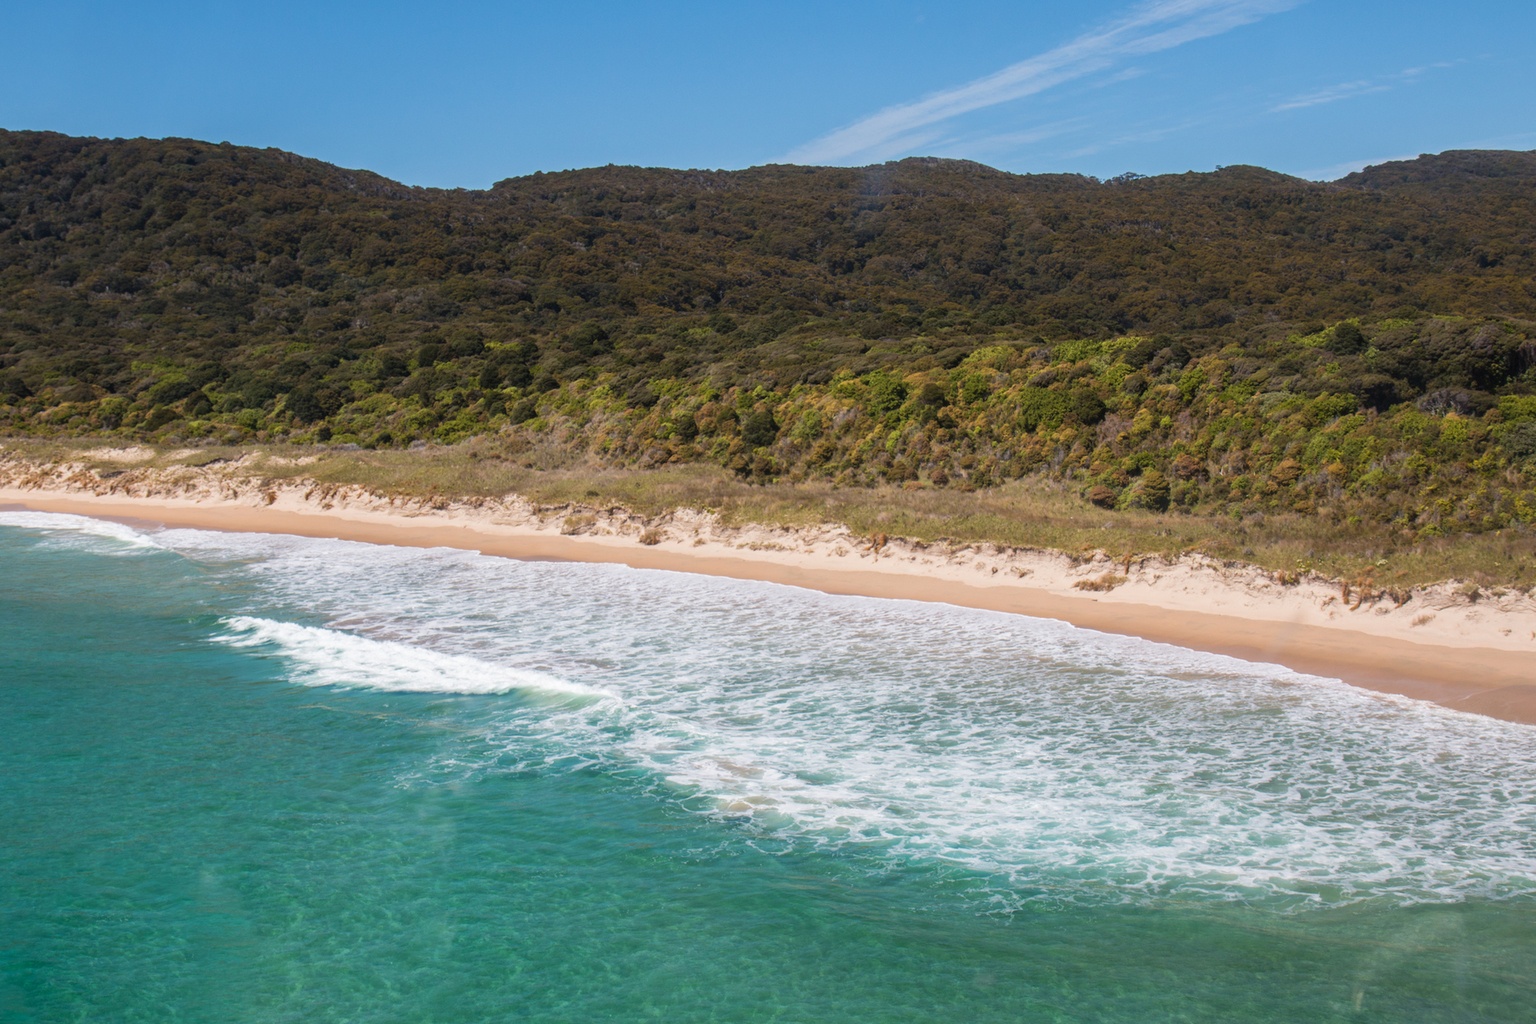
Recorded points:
(1101,584)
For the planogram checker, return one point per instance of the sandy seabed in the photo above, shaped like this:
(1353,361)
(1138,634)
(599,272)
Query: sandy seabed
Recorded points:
(1475,653)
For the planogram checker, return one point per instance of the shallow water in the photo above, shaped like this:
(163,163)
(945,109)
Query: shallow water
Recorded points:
(254,778)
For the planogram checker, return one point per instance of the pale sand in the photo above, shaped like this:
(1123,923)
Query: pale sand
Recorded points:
(1473,654)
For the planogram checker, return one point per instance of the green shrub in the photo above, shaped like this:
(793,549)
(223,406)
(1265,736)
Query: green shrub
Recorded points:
(1347,340)
(1519,441)
(885,392)
(760,429)
(1151,492)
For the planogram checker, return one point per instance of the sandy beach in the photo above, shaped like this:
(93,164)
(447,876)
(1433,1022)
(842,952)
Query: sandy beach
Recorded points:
(1454,645)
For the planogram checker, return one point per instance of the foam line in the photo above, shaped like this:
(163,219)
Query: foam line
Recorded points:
(58,522)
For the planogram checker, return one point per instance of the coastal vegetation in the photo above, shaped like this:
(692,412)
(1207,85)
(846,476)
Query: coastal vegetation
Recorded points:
(1033,513)
(1220,351)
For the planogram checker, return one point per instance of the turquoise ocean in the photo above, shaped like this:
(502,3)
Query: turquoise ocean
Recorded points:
(250,778)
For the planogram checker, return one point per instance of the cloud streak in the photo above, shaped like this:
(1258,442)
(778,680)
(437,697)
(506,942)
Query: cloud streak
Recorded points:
(1149,28)
(1363,87)
(1332,94)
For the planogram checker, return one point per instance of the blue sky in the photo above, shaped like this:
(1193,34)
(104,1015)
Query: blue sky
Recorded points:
(465,94)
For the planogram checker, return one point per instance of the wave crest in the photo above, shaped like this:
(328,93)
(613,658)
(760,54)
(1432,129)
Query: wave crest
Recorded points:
(329,657)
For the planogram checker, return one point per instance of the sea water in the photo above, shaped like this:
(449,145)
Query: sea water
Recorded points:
(263,778)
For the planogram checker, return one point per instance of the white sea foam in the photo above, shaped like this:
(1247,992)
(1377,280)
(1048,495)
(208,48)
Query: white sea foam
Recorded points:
(1047,762)
(62,525)
(328,657)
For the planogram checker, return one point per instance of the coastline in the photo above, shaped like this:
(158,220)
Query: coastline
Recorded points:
(1468,652)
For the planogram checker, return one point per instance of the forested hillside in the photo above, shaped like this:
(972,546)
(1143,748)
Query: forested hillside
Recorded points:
(1238,341)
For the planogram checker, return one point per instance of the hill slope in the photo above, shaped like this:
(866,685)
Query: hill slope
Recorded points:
(1236,340)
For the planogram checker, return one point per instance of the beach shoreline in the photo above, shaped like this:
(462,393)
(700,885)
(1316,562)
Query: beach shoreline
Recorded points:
(1463,650)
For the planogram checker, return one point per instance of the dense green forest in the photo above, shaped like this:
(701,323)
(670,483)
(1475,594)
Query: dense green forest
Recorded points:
(1236,342)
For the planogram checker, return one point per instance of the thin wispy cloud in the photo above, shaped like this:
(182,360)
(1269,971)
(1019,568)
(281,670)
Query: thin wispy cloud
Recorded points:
(1363,87)
(1146,135)
(1012,140)
(1120,76)
(1332,94)
(1339,170)
(1149,28)
(981,144)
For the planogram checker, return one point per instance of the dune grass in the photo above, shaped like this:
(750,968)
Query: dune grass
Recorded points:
(1036,513)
